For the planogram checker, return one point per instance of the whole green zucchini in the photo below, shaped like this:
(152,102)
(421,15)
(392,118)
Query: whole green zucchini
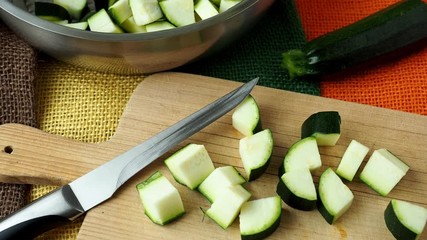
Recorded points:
(397,26)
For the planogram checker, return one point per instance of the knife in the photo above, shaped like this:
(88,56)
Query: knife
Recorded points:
(70,201)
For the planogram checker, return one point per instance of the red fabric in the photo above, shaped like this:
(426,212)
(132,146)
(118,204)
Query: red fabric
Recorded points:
(400,84)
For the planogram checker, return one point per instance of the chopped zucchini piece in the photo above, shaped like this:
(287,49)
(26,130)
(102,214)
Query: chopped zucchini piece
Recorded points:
(130,26)
(178,12)
(302,154)
(160,199)
(246,118)
(191,165)
(120,11)
(405,220)
(351,160)
(205,9)
(101,22)
(87,16)
(145,11)
(77,25)
(296,188)
(215,183)
(335,198)
(75,7)
(227,4)
(260,218)
(256,151)
(324,126)
(383,171)
(227,206)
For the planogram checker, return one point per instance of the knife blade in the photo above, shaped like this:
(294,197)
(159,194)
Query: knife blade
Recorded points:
(70,201)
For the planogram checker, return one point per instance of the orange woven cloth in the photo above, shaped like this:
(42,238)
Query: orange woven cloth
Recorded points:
(400,84)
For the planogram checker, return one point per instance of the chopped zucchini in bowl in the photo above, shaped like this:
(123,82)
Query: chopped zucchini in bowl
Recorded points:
(141,13)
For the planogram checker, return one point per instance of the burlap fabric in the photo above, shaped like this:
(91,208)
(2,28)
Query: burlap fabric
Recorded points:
(17,65)
(78,104)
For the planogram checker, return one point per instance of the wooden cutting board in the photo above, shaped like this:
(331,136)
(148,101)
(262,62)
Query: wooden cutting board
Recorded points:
(29,155)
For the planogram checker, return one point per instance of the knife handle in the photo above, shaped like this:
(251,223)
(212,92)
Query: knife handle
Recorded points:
(52,210)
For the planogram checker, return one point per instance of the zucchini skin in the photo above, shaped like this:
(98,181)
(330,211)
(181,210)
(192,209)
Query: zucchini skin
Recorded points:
(324,212)
(264,234)
(382,33)
(258,127)
(396,228)
(321,122)
(281,169)
(293,200)
(257,172)
(51,9)
(165,222)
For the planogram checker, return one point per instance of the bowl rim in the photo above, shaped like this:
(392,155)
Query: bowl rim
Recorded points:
(9,8)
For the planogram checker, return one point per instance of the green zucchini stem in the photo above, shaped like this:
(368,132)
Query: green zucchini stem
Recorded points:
(297,63)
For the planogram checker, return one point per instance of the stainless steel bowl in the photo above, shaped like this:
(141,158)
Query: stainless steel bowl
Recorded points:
(133,53)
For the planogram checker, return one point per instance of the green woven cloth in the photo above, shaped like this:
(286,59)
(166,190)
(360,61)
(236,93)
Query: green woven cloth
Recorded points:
(258,53)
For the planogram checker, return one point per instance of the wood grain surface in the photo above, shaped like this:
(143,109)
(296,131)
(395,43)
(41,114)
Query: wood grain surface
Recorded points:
(31,156)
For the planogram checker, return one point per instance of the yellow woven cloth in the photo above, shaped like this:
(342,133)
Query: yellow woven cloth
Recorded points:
(79,104)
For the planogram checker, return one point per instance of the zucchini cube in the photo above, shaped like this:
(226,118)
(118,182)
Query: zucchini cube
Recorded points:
(383,171)
(190,165)
(161,200)
(226,207)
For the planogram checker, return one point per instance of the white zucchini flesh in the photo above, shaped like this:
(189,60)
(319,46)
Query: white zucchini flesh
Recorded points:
(302,154)
(255,152)
(145,11)
(405,220)
(215,183)
(205,9)
(327,139)
(77,25)
(190,165)
(54,19)
(334,196)
(296,188)
(120,11)
(226,207)
(260,218)
(102,22)
(246,117)
(224,5)
(301,183)
(129,25)
(159,26)
(160,199)
(351,160)
(178,12)
(383,171)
